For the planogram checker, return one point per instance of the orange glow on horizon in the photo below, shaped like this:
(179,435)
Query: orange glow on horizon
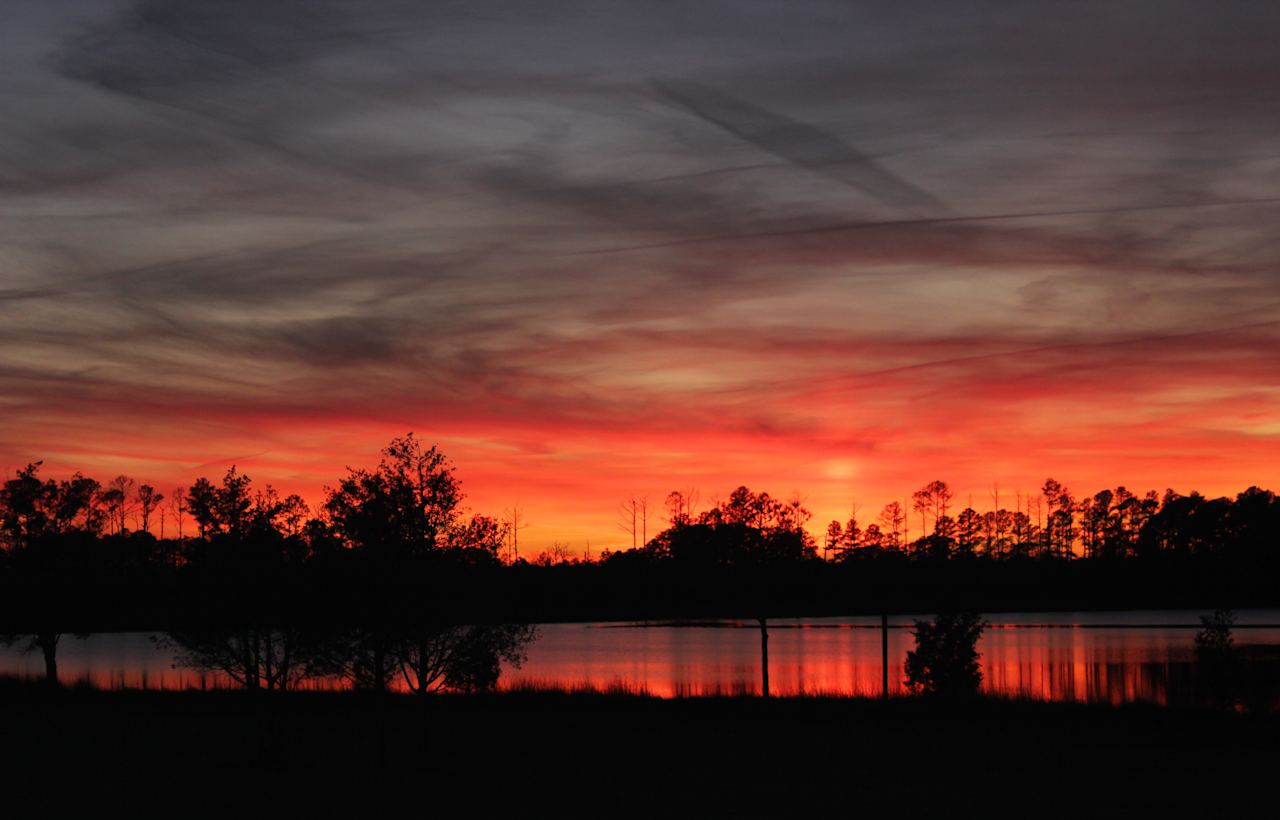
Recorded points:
(569,490)
(569,478)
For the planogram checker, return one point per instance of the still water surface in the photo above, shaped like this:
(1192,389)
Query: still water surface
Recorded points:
(1113,657)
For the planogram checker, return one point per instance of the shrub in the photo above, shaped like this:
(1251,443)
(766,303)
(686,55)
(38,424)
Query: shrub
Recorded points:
(945,660)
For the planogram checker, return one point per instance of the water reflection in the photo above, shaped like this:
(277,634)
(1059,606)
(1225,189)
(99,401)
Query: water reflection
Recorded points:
(1095,657)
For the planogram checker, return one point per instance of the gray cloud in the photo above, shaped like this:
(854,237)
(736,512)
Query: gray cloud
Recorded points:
(304,202)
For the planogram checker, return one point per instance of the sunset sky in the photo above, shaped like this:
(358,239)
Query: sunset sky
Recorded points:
(597,249)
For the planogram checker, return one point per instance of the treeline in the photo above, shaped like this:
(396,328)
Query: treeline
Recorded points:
(1108,525)
(405,510)
(394,543)
(411,503)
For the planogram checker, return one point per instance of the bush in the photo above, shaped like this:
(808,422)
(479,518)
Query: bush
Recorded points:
(1217,665)
(945,660)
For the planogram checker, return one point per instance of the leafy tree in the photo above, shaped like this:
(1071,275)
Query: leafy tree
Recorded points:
(425,657)
(1216,657)
(404,507)
(25,502)
(148,502)
(291,515)
(232,502)
(237,510)
(405,519)
(932,500)
(1095,513)
(35,517)
(202,503)
(750,532)
(1060,523)
(968,530)
(945,660)
(1214,640)
(459,658)
(31,508)
(119,500)
(852,537)
(834,538)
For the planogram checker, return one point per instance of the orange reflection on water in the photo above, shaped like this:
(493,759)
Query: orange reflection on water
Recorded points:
(1099,657)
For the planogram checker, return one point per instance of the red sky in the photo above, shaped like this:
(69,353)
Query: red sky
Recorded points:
(842,253)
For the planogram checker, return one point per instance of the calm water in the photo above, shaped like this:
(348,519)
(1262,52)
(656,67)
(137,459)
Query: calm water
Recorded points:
(1111,657)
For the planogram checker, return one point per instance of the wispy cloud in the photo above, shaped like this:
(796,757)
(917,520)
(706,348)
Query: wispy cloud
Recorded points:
(598,249)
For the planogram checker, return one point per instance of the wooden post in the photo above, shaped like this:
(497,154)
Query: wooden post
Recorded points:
(884,656)
(764,658)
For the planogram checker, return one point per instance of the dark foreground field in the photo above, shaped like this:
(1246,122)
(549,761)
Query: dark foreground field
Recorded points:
(239,755)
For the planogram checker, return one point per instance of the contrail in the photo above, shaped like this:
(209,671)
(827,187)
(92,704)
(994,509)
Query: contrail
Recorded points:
(800,144)
(869,224)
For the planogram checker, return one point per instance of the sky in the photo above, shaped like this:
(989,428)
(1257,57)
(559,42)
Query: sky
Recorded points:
(596,250)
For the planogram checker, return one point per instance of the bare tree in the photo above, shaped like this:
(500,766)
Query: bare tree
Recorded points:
(556,554)
(644,520)
(513,517)
(629,518)
(681,506)
(178,506)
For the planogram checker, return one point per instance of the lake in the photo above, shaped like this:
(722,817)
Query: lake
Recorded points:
(1111,657)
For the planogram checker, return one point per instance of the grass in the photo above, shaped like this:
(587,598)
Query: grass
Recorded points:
(619,751)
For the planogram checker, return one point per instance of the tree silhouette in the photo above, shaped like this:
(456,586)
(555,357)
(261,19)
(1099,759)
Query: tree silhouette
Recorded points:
(401,508)
(945,660)
(120,501)
(405,521)
(254,657)
(750,534)
(1216,657)
(459,658)
(833,538)
(148,502)
(968,529)
(1059,530)
(681,506)
(46,643)
(202,503)
(37,517)
(893,524)
(513,519)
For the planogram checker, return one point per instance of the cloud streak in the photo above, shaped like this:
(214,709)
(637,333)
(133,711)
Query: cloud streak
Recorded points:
(617,248)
